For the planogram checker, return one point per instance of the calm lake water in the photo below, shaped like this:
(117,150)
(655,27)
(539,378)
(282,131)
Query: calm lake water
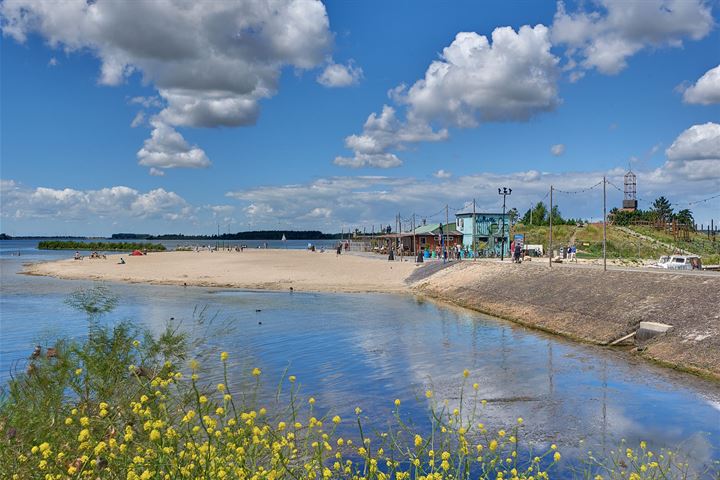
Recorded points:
(365,350)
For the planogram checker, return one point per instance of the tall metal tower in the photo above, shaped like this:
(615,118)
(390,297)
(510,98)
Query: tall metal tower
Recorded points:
(630,201)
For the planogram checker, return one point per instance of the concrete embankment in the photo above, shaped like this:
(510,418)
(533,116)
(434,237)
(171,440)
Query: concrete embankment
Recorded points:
(594,306)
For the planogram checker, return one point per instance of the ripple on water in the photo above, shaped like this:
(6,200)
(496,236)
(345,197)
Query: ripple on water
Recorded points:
(367,349)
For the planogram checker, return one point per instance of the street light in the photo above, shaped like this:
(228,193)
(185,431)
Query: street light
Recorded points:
(504,192)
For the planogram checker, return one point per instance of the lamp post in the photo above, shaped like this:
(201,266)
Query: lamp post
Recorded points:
(504,192)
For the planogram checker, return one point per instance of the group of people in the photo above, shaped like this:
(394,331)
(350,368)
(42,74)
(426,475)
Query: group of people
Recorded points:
(77,255)
(569,253)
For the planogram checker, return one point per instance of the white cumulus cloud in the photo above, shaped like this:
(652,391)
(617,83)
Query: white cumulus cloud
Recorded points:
(212,62)
(706,90)
(557,149)
(166,148)
(442,174)
(339,75)
(382,133)
(156,172)
(88,205)
(605,36)
(695,153)
(511,77)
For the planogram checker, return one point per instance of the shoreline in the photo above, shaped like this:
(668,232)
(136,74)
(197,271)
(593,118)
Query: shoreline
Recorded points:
(596,307)
(584,305)
(253,269)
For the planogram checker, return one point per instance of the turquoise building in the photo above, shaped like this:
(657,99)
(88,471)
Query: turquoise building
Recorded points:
(488,231)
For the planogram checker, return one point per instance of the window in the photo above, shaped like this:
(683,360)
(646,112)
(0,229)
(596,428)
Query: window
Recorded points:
(460,223)
(422,240)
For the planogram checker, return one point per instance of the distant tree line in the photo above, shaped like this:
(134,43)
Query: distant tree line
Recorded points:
(660,211)
(99,246)
(252,235)
(5,236)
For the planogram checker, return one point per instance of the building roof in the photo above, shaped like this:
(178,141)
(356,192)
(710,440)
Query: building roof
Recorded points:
(468,211)
(434,229)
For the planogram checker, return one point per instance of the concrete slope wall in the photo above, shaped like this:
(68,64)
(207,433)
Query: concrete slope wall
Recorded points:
(590,305)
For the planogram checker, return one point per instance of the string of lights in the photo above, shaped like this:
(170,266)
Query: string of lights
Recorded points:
(574,192)
(699,201)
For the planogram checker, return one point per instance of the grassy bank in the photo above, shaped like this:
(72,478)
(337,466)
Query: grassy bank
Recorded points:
(99,246)
(696,243)
(620,243)
(589,238)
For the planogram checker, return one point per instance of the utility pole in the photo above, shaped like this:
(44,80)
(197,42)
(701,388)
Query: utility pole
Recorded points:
(399,227)
(474,229)
(447,231)
(550,252)
(604,224)
(413,237)
(504,192)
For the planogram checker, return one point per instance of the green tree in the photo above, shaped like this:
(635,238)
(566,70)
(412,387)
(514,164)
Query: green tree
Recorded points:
(557,218)
(662,209)
(685,217)
(513,215)
(537,215)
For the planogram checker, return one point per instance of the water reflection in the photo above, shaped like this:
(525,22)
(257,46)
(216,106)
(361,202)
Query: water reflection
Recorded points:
(366,350)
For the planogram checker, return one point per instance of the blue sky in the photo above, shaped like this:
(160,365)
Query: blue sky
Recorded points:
(249,114)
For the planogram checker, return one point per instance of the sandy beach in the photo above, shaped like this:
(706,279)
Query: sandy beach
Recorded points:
(251,269)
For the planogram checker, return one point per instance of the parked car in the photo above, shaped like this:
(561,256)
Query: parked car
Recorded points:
(679,262)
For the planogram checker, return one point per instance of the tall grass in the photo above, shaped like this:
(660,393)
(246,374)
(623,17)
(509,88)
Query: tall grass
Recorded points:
(99,246)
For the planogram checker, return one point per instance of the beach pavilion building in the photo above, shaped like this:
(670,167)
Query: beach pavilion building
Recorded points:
(488,231)
(427,237)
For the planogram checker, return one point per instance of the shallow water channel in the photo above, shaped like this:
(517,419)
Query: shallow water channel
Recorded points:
(365,350)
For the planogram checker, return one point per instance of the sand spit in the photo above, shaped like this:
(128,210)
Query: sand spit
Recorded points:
(251,269)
